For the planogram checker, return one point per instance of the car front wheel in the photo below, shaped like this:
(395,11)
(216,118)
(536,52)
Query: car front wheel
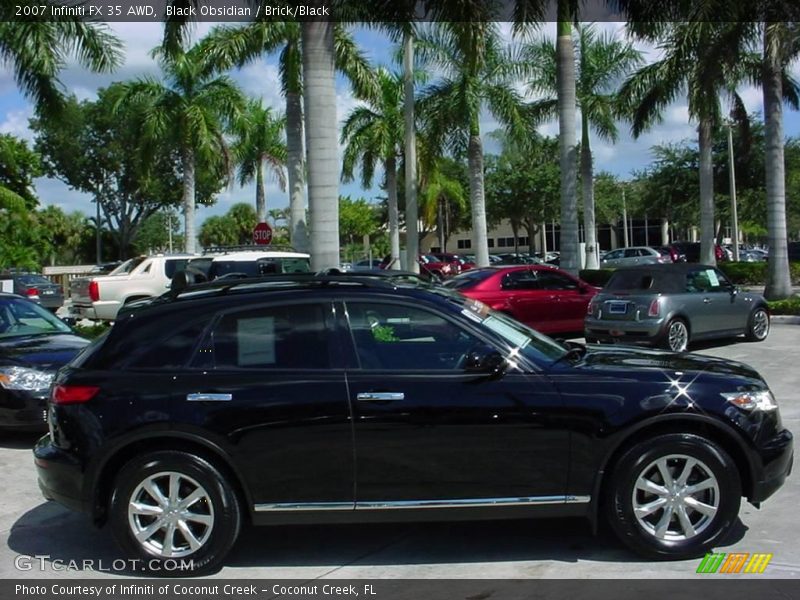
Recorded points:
(673,497)
(174,512)
(758,325)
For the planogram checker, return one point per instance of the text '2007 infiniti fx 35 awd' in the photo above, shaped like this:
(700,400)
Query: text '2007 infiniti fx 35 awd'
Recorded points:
(339,399)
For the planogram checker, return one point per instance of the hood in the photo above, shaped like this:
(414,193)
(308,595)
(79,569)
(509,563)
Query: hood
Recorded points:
(631,358)
(42,351)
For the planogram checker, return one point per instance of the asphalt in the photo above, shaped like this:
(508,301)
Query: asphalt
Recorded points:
(513,549)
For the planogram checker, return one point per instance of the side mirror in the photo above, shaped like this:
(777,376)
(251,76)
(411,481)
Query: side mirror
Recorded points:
(488,362)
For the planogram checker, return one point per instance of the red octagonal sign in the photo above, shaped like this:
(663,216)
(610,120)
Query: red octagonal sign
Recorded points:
(262,234)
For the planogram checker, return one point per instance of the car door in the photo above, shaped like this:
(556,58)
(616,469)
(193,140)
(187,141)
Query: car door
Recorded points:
(571,300)
(273,382)
(529,302)
(428,431)
(706,302)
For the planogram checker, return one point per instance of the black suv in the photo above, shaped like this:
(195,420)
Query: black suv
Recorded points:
(341,399)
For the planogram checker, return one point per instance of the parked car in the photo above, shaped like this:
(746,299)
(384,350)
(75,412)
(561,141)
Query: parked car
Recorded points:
(33,345)
(545,298)
(516,259)
(280,401)
(691,251)
(101,297)
(634,255)
(367,264)
(433,265)
(38,289)
(256,262)
(674,305)
(459,262)
(670,252)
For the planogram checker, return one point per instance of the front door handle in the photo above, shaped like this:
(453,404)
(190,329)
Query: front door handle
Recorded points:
(381,396)
(706,300)
(209,397)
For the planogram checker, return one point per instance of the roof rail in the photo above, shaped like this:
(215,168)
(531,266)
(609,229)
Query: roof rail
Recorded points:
(283,282)
(248,247)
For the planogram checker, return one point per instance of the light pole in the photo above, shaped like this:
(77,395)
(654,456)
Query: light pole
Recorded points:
(732,175)
(624,219)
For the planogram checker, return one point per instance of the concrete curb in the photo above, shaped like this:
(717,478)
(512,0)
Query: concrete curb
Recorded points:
(786,319)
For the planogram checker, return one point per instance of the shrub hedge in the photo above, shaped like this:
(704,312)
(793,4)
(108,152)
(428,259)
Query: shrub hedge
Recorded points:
(790,306)
(743,273)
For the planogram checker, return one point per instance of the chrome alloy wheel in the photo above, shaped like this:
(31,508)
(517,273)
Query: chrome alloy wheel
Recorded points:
(675,497)
(760,324)
(170,515)
(678,336)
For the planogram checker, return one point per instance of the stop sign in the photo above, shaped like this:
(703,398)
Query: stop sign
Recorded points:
(262,234)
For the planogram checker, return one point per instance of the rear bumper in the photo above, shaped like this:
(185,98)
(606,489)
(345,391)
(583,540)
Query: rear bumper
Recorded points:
(649,332)
(60,476)
(23,410)
(103,311)
(777,458)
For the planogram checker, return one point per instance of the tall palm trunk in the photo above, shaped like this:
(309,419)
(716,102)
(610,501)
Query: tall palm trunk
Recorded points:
(480,244)
(394,221)
(565,71)
(707,238)
(321,142)
(190,234)
(587,178)
(779,284)
(410,142)
(294,163)
(261,200)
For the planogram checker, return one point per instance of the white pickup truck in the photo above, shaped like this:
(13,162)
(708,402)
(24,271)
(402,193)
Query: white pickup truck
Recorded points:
(102,296)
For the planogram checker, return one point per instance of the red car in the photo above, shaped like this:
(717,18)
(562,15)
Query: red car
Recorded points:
(543,297)
(456,261)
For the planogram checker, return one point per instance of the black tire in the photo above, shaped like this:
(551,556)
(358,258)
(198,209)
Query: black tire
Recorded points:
(668,341)
(758,325)
(639,463)
(219,506)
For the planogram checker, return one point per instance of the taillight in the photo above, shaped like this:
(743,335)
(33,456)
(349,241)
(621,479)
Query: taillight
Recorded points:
(654,309)
(590,308)
(94,291)
(73,394)
(32,292)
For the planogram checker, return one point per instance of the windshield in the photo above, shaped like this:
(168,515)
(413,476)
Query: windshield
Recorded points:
(34,280)
(522,340)
(20,317)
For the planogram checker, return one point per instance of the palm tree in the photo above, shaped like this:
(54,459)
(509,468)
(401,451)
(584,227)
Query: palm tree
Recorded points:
(439,192)
(476,72)
(37,51)
(259,144)
(190,109)
(372,134)
(690,63)
(602,61)
(236,46)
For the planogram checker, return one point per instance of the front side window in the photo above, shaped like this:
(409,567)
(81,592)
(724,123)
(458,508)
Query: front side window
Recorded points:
(398,337)
(275,337)
(521,280)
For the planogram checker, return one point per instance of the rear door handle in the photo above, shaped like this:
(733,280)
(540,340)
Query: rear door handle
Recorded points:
(384,396)
(209,397)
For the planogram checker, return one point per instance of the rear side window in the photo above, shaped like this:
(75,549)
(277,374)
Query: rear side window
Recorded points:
(274,337)
(630,281)
(173,266)
(170,352)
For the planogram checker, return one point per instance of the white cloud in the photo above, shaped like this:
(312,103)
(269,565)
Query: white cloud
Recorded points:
(16,123)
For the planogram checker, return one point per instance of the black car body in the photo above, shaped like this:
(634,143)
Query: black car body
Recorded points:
(340,399)
(33,345)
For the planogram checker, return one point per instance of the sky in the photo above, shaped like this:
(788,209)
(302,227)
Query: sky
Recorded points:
(260,79)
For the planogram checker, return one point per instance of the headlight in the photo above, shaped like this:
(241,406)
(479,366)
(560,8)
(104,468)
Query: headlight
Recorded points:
(758,400)
(22,378)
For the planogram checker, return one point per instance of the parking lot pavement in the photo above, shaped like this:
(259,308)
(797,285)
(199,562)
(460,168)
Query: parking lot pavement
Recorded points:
(506,549)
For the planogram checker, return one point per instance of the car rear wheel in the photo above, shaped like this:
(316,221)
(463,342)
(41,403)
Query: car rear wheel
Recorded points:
(175,512)
(676,337)
(758,325)
(673,497)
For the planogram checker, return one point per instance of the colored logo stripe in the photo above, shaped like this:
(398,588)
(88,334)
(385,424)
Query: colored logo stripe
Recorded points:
(734,563)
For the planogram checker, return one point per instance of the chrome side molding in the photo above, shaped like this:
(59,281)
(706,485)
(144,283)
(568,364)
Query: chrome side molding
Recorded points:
(414,504)
(209,397)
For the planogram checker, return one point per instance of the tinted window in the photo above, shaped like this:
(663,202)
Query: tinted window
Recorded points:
(171,352)
(555,281)
(282,337)
(128,266)
(400,337)
(521,280)
(469,279)
(173,266)
(706,280)
(33,280)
